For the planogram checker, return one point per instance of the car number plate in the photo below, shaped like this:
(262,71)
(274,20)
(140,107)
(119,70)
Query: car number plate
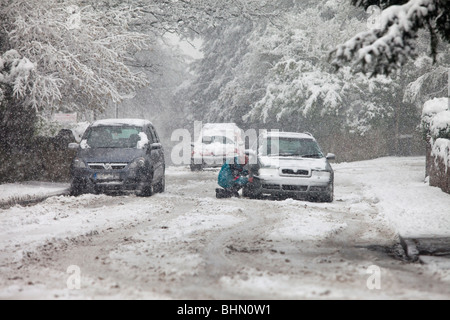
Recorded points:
(105,176)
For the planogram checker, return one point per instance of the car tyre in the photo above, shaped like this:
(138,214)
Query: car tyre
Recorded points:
(147,191)
(77,189)
(250,193)
(160,186)
(329,197)
(223,194)
(196,167)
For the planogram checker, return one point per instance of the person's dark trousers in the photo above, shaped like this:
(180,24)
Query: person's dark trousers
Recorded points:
(234,190)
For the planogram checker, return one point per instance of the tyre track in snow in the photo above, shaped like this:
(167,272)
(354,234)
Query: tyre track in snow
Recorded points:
(217,253)
(101,276)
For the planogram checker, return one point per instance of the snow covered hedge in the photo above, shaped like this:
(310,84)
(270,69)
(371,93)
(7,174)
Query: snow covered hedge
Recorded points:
(441,150)
(436,118)
(436,127)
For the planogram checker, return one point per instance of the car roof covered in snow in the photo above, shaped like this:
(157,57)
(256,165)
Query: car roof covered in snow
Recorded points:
(220,125)
(295,135)
(121,122)
(230,130)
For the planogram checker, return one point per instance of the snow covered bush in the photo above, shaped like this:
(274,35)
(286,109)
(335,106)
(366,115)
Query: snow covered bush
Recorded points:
(436,126)
(440,125)
(436,118)
(441,150)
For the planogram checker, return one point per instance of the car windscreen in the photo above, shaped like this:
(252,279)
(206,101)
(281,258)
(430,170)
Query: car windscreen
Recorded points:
(216,139)
(290,147)
(113,137)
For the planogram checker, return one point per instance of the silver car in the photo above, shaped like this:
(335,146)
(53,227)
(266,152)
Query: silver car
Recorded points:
(287,164)
(217,143)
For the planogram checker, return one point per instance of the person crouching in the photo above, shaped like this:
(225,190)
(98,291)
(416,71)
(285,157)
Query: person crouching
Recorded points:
(233,176)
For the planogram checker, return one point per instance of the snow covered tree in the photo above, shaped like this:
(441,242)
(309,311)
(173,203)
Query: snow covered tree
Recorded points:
(431,80)
(59,56)
(392,41)
(76,55)
(274,74)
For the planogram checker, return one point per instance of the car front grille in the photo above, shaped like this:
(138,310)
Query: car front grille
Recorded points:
(271,186)
(295,188)
(107,166)
(318,189)
(284,187)
(295,172)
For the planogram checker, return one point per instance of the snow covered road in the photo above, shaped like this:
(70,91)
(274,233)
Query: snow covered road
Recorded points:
(185,244)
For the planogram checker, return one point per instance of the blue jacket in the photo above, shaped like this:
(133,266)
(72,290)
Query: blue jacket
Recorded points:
(232,174)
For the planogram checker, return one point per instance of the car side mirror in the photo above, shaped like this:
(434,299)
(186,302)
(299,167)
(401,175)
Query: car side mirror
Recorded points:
(252,157)
(155,146)
(331,157)
(250,152)
(74,146)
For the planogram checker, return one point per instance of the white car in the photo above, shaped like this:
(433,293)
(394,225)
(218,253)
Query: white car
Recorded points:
(286,164)
(217,143)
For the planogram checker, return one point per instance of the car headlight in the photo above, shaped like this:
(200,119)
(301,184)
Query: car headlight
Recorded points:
(322,175)
(268,171)
(137,163)
(79,164)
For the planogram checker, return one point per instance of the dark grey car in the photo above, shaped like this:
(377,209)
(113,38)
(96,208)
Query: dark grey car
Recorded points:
(119,155)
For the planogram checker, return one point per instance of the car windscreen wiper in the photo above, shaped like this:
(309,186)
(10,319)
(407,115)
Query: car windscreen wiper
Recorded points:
(284,154)
(288,154)
(315,155)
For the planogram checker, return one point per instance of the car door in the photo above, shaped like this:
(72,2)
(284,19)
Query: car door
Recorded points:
(156,153)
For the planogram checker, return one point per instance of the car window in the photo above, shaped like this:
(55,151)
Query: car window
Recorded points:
(155,135)
(216,139)
(113,137)
(290,147)
(150,136)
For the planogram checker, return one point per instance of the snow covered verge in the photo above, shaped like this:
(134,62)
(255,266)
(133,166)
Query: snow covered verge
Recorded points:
(20,193)
(396,187)
(436,128)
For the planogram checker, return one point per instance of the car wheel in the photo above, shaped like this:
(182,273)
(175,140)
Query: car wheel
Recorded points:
(246,193)
(329,197)
(161,185)
(222,193)
(250,193)
(77,189)
(196,167)
(147,191)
